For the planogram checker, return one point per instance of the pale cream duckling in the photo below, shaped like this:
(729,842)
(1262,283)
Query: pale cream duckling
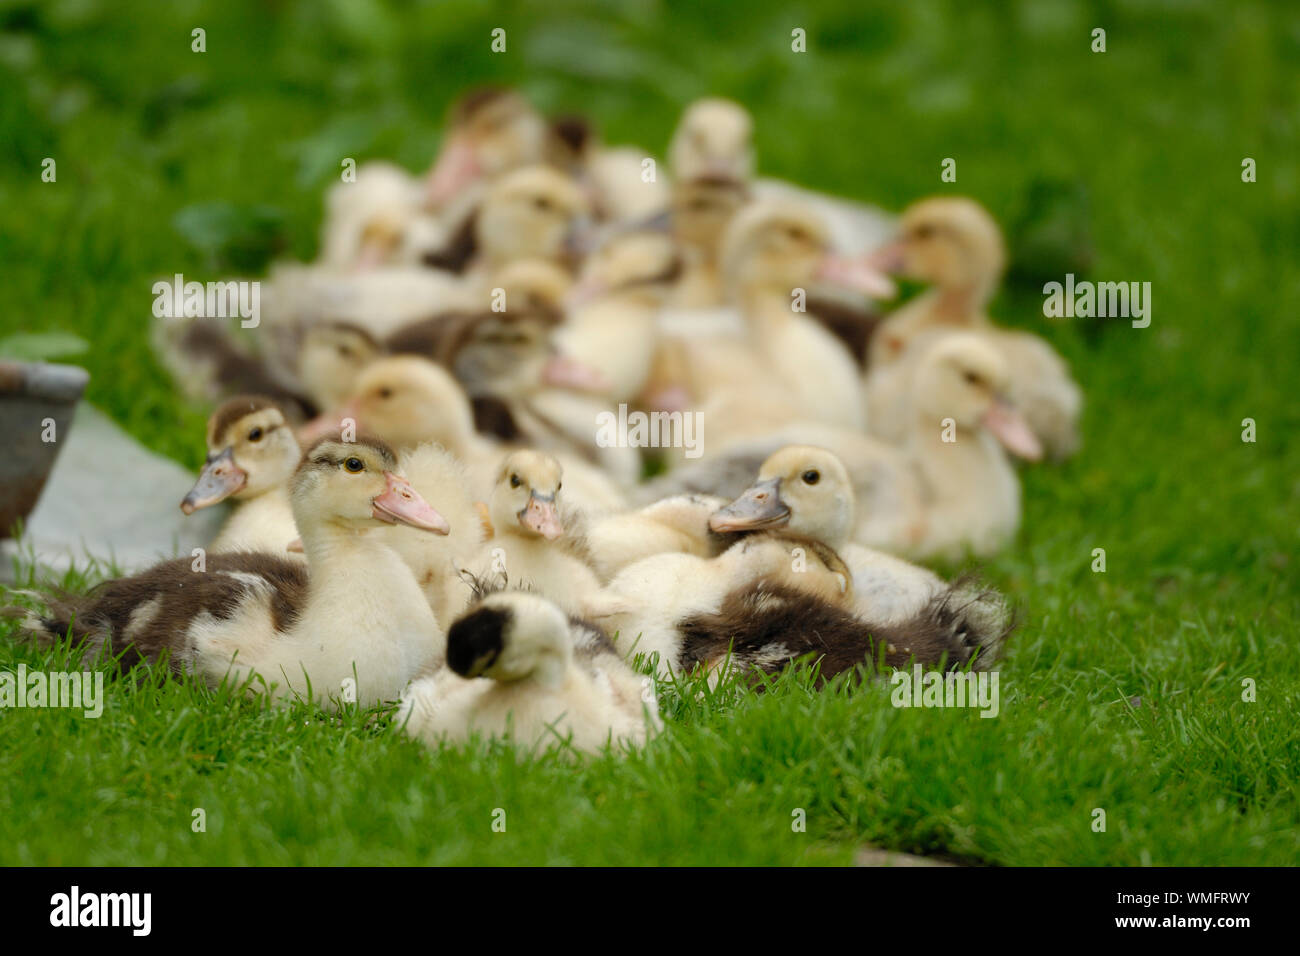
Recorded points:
(252,453)
(771,250)
(962,420)
(679,523)
(535,212)
(611,326)
(518,667)
(715,138)
(351,626)
(700,212)
(408,401)
(491,131)
(529,547)
(375,220)
(956,246)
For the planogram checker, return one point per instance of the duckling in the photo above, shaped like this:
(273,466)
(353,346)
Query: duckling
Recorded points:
(491,131)
(771,249)
(376,219)
(678,523)
(408,401)
(352,620)
(808,491)
(715,138)
(962,422)
(252,453)
(529,547)
(955,245)
(611,327)
(520,668)
(645,603)
(700,211)
(535,212)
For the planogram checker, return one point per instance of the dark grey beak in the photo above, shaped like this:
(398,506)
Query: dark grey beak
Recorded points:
(759,507)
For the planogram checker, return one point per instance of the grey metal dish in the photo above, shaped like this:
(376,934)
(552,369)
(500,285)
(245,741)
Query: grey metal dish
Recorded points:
(37,400)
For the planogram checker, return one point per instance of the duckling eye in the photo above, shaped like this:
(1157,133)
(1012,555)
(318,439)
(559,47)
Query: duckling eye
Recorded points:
(514,481)
(811,477)
(255,435)
(354,465)
(385,392)
(542,203)
(924,232)
(972,378)
(345,352)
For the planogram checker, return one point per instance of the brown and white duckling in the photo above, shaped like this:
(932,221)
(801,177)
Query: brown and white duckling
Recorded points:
(955,245)
(252,453)
(530,547)
(644,604)
(519,668)
(353,622)
(808,491)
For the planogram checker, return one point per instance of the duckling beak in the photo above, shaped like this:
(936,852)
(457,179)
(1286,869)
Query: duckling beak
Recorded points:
(759,507)
(889,258)
(1009,427)
(560,371)
(402,504)
(540,516)
(219,479)
(859,274)
(456,168)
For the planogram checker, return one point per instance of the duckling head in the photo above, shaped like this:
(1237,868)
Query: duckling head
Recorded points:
(964,378)
(407,400)
(491,131)
(534,212)
(331,358)
(525,493)
(533,286)
(701,208)
(801,488)
(715,137)
(950,242)
(640,263)
(776,245)
(251,449)
(510,636)
(356,485)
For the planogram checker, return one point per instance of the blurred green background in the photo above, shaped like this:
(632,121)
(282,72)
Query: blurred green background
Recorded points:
(211,163)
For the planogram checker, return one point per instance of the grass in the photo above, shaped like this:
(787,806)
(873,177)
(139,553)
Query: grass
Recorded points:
(1122,691)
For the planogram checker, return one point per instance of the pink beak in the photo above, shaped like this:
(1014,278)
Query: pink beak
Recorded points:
(402,504)
(1009,427)
(859,274)
(561,371)
(540,516)
(456,168)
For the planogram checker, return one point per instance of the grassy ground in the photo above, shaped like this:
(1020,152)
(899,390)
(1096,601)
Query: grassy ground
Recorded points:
(1123,691)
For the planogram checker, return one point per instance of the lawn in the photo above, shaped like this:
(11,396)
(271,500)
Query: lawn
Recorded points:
(1122,691)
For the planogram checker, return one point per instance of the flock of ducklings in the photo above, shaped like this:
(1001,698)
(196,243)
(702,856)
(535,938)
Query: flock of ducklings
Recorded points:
(421,510)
